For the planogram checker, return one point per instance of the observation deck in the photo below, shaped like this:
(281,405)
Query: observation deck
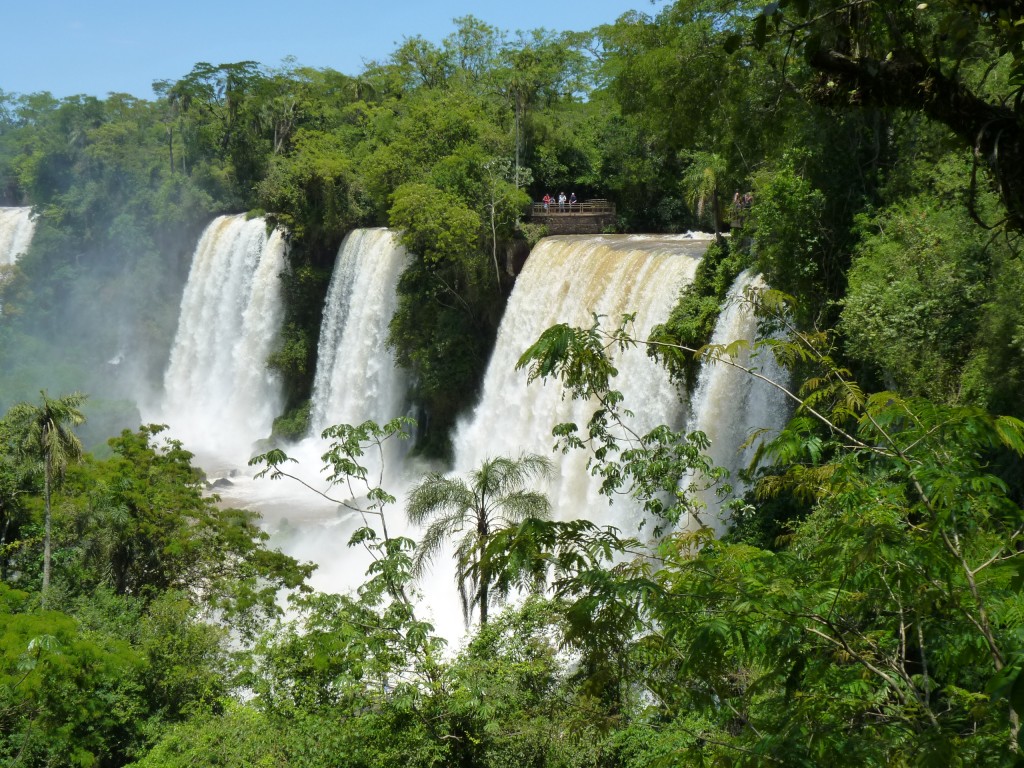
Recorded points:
(591,217)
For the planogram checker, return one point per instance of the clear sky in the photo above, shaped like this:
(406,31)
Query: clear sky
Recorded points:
(101,46)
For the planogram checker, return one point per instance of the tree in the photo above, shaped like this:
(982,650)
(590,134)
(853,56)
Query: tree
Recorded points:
(505,202)
(538,68)
(445,323)
(921,57)
(882,629)
(702,182)
(15,485)
(144,528)
(48,436)
(64,697)
(791,233)
(492,501)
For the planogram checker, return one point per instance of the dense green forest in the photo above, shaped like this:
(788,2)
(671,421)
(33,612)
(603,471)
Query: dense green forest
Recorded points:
(864,608)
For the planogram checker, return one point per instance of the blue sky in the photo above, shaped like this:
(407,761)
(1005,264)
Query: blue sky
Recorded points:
(107,46)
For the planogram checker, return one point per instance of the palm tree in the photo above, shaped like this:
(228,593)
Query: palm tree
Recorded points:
(47,436)
(492,501)
(702,181)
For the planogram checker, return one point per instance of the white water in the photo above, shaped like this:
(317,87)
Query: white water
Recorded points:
(220,397)
(16,230)
(730,405)
(356,377)
(356,380)
(567,280)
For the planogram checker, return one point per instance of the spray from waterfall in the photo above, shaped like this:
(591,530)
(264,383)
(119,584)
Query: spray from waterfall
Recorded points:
(356,380)
(730,406)
(566,279)
(220,397)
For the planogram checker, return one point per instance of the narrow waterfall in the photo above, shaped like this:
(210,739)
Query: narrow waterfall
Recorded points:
(356,380)
(16,230)
(356,377)
(220,396)
(729,405)
(568,279)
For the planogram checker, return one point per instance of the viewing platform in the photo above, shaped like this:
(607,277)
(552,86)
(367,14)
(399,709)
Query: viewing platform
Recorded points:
(591,217)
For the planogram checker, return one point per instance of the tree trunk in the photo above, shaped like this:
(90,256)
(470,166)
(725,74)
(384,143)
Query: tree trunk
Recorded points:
(483,534)
(517,112)
(716,211)
(494,244)
(48,527)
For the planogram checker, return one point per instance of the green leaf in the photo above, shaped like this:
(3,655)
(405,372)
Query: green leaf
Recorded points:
(1011,433)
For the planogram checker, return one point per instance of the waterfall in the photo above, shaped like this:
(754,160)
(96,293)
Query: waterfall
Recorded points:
(16,230)
(729,405)
(356,380)
(220,396)
(356,377)
(568,279)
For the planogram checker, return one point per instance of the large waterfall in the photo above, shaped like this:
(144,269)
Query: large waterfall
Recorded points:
(220,396)
(16,230)
(729,405)
(356,377)
(566,279)
(569,279)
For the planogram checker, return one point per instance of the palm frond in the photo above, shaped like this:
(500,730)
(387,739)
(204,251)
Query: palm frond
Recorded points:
(493,500)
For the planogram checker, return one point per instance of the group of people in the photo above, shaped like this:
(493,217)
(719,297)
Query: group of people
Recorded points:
(740,205)
(562,201)
(742,201)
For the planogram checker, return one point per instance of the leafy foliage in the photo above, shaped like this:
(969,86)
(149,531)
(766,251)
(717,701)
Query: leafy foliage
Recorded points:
(651,467)
(692,320)
(150,580)
(842,620)
(146,528)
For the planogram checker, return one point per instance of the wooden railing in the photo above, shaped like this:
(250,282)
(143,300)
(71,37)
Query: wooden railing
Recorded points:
(591,207)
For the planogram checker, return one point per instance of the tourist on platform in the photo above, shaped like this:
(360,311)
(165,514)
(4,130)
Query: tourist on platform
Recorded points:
(572,200)
(546,200)
(561,201)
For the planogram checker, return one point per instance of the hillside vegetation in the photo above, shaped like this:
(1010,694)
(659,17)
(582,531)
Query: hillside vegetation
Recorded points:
(864,608)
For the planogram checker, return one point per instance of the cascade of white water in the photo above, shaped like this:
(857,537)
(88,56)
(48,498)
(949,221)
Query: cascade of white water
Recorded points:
(356,377)
(568,280)
(220,396)
(730,405)
(16,230)
(356,380)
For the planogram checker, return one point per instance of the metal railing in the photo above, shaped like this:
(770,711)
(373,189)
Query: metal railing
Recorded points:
(590,207)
